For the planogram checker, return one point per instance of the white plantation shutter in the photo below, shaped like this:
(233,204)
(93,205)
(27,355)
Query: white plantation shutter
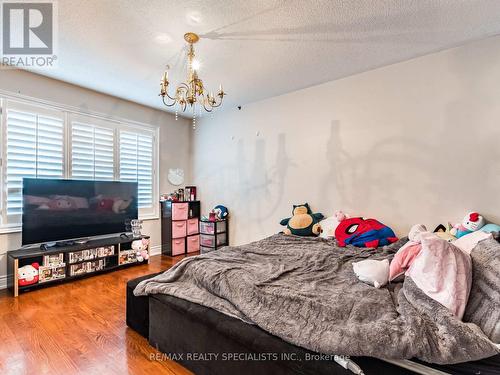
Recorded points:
(92,152)
(136,163)
(34,148)
(39,140)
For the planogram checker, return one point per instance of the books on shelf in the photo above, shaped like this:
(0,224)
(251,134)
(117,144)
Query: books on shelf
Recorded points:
(87,267)
(49,273)
(51,260)
(128,256)
(89,254)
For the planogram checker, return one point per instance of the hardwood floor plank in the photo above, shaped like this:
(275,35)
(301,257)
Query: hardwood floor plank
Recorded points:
(78,328)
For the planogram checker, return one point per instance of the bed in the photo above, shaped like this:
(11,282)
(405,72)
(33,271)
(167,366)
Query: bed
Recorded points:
(211,337)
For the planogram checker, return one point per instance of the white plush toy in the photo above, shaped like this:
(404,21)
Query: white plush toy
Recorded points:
(329,225)
(373,272)
(471,223)
(141,248)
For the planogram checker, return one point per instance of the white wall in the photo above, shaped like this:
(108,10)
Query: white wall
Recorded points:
(415,142)
(175,136)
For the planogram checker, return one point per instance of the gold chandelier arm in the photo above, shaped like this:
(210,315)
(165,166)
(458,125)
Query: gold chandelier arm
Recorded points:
(164,101)
(209,109)
(166,93)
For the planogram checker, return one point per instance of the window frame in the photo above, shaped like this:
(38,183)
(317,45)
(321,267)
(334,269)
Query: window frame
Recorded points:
(70,114)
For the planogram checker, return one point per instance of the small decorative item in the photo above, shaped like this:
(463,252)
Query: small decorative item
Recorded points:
(28,275)
(141,249)
(212,216)
(221,212)
(191,193)
(136,226)
(180,194)
(176,176)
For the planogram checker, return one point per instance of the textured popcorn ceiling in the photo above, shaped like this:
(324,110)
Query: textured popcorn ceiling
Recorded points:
(257,48)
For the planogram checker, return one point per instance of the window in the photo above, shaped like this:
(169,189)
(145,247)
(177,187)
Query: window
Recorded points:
(136,163)
(92,152)
(44,142)
(33,148)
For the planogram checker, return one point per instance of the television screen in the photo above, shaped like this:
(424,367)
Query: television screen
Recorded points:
(55,210)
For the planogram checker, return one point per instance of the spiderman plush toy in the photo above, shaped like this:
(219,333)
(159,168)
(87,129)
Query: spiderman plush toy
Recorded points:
(364,233)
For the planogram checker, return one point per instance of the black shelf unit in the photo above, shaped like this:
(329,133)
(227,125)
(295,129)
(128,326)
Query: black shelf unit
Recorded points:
(213,235)
(28,255)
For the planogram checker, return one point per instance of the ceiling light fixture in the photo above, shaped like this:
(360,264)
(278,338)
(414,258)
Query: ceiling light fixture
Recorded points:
(192,91)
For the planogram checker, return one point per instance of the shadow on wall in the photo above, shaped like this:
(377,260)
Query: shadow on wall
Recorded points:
(261,188)
(378,180)
(252,187)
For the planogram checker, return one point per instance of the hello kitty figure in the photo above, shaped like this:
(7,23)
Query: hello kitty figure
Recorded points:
(28,274)
(141,248)
(471,223)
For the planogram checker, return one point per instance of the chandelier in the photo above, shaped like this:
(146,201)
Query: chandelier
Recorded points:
(190,93)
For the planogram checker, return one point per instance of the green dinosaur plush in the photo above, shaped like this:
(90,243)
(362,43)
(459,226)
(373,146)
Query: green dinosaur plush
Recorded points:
(303,222)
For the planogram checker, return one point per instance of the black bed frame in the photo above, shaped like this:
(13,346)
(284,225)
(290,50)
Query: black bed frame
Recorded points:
(208,342)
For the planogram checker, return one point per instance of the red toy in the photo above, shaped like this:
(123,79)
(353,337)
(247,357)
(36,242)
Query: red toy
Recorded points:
(364,233)
(28,274)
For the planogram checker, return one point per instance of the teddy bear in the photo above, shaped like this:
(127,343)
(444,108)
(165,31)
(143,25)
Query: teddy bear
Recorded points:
(28,274)
(471,223)
(141,248)
(303,222)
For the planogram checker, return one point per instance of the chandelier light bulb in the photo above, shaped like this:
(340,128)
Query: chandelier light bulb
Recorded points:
(196,64)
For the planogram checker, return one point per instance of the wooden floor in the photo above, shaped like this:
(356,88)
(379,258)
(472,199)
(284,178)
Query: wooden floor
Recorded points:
(78,328)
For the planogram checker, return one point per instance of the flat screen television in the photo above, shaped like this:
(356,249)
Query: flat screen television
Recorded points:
(55,210)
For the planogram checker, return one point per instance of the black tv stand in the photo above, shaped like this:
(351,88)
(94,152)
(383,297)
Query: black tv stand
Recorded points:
(70,251)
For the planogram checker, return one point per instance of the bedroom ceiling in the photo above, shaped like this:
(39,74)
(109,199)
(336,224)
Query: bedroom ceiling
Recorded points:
(257,49)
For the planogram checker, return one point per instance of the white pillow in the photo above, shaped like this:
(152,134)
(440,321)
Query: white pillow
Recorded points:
(373,272)
(469,241)
(328,227)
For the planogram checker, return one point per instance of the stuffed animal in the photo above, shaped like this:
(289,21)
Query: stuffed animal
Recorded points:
(328,225)
(444,232)
(28,275)
(471,223)
(303,222)
(141,248)
(221,212)
(362,232)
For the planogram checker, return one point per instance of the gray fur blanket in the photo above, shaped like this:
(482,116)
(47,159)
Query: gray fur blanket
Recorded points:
(304,291)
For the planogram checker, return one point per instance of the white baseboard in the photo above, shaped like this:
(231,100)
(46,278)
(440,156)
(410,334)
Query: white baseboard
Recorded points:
(3,282)
(155,250)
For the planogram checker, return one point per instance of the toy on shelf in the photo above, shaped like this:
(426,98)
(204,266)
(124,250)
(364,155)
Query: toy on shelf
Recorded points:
(303,222)
(471,223)
(221,212)
(28,275)
(141,249)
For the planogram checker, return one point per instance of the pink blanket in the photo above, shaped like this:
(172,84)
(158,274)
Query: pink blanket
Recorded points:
(443,272)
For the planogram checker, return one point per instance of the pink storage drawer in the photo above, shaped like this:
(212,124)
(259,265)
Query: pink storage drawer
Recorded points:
(193,244)
(178,246)
(180,211)
(178,229)
(192,226)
